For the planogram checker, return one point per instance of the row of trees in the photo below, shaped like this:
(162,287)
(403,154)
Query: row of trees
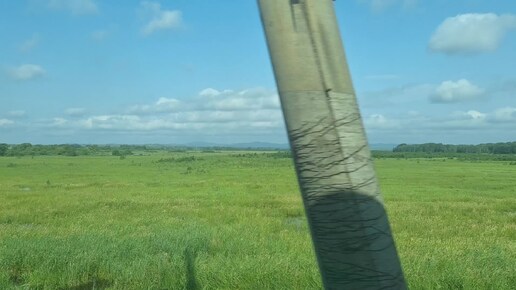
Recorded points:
(27,149)
(488,148)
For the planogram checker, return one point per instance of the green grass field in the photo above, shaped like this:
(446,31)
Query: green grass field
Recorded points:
(235,221)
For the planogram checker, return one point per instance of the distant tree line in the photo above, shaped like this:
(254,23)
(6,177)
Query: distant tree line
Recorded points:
(505,151)
(27,149)
(487,148)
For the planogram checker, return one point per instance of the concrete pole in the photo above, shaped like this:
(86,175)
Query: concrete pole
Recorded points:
(348,222)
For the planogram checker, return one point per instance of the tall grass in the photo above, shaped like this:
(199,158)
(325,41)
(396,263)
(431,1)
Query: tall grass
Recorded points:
(186,220)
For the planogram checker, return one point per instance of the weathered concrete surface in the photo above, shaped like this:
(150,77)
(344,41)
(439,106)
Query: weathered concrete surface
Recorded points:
(349,226)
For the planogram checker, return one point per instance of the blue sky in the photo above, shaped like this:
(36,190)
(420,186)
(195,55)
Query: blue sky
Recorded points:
(99,71)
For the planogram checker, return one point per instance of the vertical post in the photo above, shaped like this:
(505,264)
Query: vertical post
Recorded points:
(349,226)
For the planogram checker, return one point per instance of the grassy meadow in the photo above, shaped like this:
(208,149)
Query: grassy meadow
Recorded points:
(234,220)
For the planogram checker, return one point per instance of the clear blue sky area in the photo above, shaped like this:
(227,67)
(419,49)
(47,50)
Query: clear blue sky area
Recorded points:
(175,72)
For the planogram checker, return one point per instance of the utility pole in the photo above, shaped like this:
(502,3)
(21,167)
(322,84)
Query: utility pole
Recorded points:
(348,223)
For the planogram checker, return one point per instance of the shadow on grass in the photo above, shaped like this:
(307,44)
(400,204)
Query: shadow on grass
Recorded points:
(191,280)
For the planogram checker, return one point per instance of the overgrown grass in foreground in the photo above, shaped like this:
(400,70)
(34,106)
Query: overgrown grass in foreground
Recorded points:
(235,221)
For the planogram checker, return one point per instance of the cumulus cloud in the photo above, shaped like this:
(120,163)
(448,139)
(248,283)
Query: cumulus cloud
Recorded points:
(457,121)
(228,100)
(160,19)
(500,119)
(452,92)
(78,7)
(471,33)
(211,111)
(195,121)
(476,115)
(213,100)
(167,103)
(209,92)
(206,122)
(473,122)
(5,122)
(26,72)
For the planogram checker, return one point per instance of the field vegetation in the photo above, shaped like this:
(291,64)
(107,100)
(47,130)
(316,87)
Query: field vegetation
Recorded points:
(164,219)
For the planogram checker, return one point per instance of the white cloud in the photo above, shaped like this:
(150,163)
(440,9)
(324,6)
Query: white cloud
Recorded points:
(214,100)
(77,7)
(167,102)
(228,100)
(210,112)
(452,92)
(26,72)
(29,44)
(472,33)
(200,121)
(375,120)
(5,122)
(460,120)
(160,19)
(209,92)
(470,120)
(470,124)
(476,115)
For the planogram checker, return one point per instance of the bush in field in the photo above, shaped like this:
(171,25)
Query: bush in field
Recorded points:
(280,154)
(3,149)
(275,155)
(121,152)
(179,159)
(187,159)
